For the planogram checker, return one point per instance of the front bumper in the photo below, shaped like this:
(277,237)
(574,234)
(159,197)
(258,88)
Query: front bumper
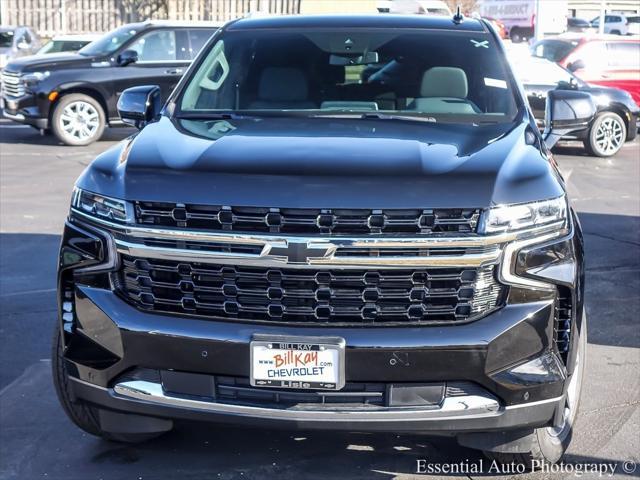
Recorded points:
(471,352)
(28,109)
(118,357)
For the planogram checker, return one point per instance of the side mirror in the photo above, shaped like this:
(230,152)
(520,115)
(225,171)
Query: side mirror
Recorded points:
(23,46)
(127,57)
(139,106)
(567,111)
(575,66)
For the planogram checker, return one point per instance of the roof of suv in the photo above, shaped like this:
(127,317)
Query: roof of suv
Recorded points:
(357,21)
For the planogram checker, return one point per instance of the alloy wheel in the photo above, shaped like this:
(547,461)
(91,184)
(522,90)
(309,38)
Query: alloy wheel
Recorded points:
(80,120)
(608,137)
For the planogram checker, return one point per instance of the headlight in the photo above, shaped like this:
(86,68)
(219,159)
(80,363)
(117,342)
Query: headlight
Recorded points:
(510,218)
(34,77)
(102,207)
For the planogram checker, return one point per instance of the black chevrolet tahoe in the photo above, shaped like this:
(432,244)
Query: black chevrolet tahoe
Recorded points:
(340,222)
(74,95)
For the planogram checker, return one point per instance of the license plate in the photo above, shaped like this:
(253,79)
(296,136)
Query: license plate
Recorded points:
(297,362)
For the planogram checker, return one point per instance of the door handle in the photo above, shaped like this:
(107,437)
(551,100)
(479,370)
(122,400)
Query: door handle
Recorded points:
(174,71)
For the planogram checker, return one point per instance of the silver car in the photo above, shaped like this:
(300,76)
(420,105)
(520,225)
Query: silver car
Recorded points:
(17,42)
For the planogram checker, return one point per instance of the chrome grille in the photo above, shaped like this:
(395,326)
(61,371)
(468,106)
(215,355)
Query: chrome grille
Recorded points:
(12,84)
(307,221)
(330,297)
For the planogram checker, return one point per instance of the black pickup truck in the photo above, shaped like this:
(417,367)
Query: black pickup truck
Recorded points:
(335,222)
(74,95)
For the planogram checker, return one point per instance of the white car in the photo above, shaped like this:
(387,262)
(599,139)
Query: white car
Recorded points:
(614,23)
(423,7)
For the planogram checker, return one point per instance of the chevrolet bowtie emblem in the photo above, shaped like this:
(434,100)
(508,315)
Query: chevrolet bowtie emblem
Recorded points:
(300,252)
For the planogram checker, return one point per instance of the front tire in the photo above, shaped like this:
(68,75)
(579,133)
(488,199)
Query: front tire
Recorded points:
(548,444)
(78,120)
(82,415)
(606,136)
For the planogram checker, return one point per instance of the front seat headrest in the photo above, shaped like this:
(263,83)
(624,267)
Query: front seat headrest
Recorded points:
(444,82)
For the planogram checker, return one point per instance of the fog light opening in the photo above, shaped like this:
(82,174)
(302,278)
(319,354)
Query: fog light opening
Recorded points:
(547,368)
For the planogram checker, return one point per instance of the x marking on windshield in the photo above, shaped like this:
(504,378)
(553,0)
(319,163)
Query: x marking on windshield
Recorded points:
(484,44)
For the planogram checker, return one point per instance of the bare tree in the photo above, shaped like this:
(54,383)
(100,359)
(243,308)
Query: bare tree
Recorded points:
(467,7)
(138,10)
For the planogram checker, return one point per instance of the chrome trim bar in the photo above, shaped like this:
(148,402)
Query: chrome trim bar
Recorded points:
(469,406)
(328,261)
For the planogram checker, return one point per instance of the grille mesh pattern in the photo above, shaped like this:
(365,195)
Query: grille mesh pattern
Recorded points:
(307,221)
(310,296)
(12,84)
(562,324)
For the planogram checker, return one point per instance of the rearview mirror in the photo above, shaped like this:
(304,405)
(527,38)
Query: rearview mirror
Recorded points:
(567,111)
(127,57)
(139,106)
(344,60)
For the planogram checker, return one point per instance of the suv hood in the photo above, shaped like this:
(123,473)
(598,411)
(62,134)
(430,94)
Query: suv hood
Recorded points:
(49,60)
(325,163)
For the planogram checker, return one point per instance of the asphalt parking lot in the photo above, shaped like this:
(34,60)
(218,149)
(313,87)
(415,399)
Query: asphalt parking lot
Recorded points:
(37,440)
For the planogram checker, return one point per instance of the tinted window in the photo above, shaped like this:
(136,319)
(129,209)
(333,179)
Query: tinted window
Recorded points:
(459,77)
(578,22)
(156,46)
(625,54)
(198,38)
(6,39)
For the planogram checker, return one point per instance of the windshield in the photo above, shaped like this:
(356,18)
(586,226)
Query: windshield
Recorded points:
(438,75)
(109,43)
(6,39)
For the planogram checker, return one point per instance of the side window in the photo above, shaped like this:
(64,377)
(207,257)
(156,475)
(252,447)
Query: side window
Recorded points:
(624,54)
(593,54)
(198,39)
(182,45)
(156,46)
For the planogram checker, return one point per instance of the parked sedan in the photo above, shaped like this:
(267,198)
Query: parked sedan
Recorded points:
(17,42)
(67,43)
(618,115)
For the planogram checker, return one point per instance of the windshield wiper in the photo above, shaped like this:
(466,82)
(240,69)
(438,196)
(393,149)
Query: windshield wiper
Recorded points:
(374,115)
(210,116)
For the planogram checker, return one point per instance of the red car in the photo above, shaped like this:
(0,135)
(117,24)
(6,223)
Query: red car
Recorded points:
(606,60)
